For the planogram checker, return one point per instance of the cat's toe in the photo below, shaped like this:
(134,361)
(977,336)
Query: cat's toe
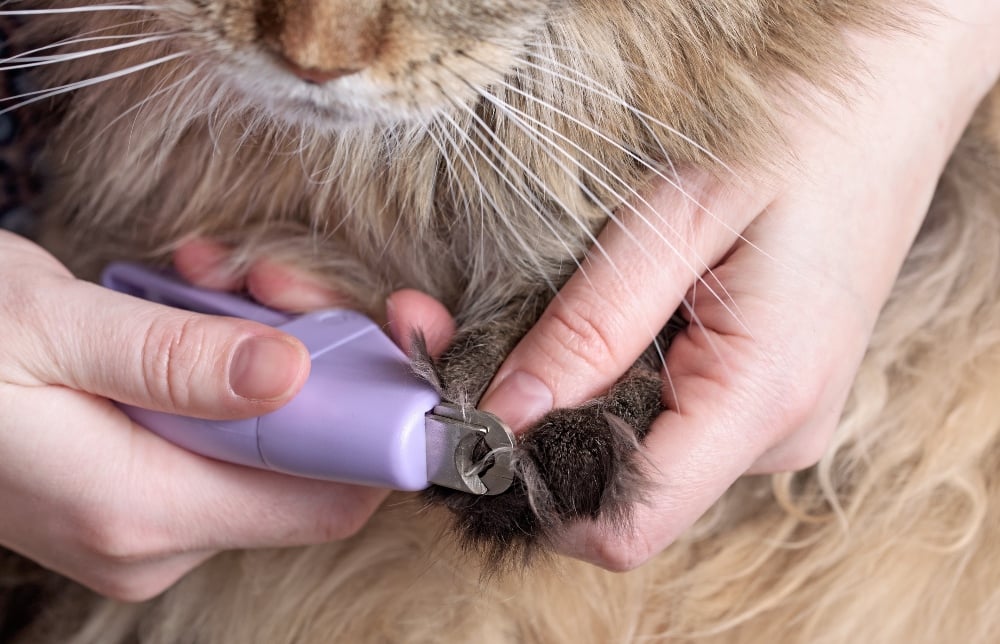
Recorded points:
(573,464)
(581,463)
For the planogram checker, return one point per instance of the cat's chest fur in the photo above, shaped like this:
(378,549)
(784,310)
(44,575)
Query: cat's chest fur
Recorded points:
(500,138)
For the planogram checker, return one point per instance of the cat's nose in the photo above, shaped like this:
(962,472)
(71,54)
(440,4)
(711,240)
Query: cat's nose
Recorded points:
(317,75)
(322,40)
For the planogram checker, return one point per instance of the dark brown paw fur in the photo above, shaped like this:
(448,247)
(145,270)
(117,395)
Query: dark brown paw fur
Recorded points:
(572,464)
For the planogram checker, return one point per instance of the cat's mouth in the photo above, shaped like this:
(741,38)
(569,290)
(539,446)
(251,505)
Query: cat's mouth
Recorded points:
(314,100)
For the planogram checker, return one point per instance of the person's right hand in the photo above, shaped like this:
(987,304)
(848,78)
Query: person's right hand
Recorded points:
(88,493)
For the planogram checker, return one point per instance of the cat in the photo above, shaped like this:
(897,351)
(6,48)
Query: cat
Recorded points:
(473,150)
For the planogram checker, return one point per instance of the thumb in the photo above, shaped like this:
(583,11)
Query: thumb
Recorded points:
(112,345)
(607,314)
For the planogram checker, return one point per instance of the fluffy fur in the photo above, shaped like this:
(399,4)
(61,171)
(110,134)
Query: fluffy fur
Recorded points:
(479,152)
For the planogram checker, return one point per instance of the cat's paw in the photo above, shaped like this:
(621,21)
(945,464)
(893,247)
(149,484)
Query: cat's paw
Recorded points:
(573,464)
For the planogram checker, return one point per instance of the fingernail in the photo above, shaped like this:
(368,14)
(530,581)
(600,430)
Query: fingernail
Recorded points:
(264,368)
(519,399)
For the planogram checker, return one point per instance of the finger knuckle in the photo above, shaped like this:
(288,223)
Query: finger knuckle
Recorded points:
(118,549)
(22,318)
(112,542)
(342,523)
(786,405)
(585,333)
(801,460)
(810,448)
(125,585)
(620,555)
(171,350)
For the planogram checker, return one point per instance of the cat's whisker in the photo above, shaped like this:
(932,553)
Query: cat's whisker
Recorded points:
(39,61)
(540,211)
(529,255)
(82,39)
(632,109)
(665,156)
(465,201)
(80,9)
(39,95)
(645,123)
(538,47)
(675,183)
(603,90)
(157,92)
(696,271)
(700,279)
(461,187)
(606,92)
(569,211)
(537,135)
(505,176)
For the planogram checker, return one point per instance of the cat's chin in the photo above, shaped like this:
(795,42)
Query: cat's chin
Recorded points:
(315,117)
(345,104)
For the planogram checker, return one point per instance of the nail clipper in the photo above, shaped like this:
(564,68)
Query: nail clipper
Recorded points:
(362,416)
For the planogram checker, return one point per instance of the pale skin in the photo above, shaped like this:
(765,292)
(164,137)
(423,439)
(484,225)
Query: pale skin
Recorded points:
(89,494)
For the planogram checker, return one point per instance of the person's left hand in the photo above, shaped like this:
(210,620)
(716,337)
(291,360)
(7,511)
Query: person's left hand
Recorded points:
(204,263)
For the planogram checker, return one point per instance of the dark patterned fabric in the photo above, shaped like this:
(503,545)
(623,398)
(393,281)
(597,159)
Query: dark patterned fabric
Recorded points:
(18,142)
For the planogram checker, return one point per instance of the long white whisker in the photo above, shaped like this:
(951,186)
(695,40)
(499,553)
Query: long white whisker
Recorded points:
(480,192)
(38,61)
(694,270)
(603,90)
(81,9)
(183,81)
(626,203)
(465,200)
(27,55)
(529,200)
(496,207)
(608,93)
(675,183)
(637,68)
(569,211)
(40,95)
(583,151)
(534,133)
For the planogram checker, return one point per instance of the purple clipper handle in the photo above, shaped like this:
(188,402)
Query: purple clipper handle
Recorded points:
(360,417)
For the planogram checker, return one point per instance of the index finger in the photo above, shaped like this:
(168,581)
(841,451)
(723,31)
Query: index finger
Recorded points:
(624,292)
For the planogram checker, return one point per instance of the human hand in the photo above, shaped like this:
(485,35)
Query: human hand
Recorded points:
(89,494)
(800,267)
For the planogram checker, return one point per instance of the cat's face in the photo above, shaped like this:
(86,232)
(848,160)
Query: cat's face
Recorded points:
(336,62)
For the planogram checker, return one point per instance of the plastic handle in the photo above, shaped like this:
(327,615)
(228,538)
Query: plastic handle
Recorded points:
(359,418)
(165,288)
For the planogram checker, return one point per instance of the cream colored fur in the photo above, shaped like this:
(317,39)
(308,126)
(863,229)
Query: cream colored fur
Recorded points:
(892,537)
